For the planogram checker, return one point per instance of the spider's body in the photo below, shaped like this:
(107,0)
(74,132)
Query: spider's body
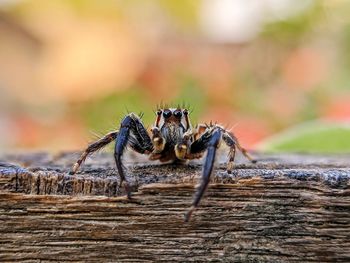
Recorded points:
(172,138)
(169,130)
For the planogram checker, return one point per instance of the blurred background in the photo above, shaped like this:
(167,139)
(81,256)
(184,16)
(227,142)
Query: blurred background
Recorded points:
(275,72)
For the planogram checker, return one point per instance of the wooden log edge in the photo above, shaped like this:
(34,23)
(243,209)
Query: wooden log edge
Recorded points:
(286,208)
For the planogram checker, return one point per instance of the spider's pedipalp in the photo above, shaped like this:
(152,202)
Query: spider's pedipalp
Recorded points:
(182,149)
(158,140)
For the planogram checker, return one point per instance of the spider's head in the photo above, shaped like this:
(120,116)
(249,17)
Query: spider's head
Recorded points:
(173,122)
(173,116)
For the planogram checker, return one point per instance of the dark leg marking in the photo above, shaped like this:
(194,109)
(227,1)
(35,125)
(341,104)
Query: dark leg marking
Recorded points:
(141,134)
(201,144)
(212,146)
(141,142)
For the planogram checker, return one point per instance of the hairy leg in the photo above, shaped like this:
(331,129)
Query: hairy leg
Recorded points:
(139,140)
(199,130)
(93,147)
(232,142)
(202,138)
(210,140)
(211,146)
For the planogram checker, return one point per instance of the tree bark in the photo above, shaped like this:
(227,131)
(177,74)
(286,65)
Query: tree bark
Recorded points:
(285,208)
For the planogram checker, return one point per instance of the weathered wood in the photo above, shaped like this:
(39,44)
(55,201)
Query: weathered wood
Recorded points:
(286,208)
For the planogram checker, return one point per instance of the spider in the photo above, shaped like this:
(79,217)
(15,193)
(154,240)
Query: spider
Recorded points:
(172,138)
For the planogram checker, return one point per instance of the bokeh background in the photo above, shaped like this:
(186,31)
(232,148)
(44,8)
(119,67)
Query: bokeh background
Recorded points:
(276,72)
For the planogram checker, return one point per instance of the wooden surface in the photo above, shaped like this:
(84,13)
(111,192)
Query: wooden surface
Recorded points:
(286,208)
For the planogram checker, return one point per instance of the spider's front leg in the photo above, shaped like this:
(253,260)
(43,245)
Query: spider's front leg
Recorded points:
(209,141)
(139,141)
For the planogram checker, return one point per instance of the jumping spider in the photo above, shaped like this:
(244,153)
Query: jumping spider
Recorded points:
(172,138)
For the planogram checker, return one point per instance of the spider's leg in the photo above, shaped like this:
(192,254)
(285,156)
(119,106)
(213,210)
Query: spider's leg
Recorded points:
(199,130)
(231,141)
(211,146)
(246,154)
(142,137)
(93,147)
(138,139)
(201,144)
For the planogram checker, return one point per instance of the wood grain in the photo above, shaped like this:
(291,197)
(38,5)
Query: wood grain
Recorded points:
(286,208)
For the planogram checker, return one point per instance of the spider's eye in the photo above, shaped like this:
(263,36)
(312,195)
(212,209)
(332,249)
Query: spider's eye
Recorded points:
(159,112)
(166,113)
(177,114)
(185,112)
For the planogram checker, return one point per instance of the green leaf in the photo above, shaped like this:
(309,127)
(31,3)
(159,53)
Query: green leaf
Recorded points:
(313,137)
